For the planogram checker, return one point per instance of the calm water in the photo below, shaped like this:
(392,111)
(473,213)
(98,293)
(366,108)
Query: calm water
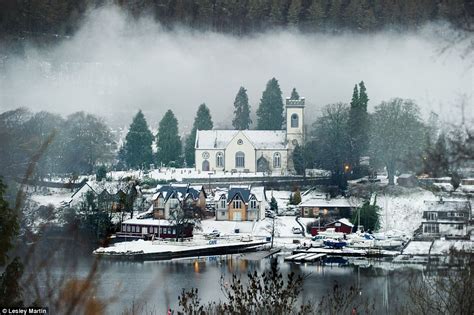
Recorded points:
(157,285)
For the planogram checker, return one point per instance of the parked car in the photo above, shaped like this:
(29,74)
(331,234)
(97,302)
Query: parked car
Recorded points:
(213,234)
(296,230)
(269,214)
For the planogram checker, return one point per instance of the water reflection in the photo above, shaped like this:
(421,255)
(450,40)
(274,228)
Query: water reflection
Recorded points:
(159,283)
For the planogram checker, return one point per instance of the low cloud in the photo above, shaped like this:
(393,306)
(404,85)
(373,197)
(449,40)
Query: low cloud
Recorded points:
(115,65)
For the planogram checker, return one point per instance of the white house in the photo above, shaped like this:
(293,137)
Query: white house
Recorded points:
(251,151)
(241,203)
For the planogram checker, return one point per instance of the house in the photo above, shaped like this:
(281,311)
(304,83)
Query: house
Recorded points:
(407,180)
(147,228)
(326,207)
(250,151)
(342,225)
(184,196)
(446,218)
(112,196)
(241,203)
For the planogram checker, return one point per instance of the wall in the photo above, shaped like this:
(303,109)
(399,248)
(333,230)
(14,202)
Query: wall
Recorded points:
(246,147)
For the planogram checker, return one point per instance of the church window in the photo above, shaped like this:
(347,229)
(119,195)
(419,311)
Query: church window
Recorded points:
(240,159)
(240,142)
(294,121)
(219,159)
(276,160)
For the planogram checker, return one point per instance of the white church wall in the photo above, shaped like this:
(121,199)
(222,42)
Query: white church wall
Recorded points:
(242,144)
(268,155)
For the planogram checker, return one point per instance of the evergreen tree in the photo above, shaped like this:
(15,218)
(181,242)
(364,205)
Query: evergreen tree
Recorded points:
(270,111)
(297,197)
(137,150)
(317,16)
(168,141)
(358,124)
(241,119)
(294,95)
(276,13)
(273,204)
(299,160)
(369,216)
(294,12)
(101,173)
(202,121)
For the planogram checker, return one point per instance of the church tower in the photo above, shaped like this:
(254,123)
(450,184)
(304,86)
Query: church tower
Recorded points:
(294,126)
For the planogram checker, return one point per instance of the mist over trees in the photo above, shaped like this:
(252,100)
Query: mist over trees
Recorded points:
(49,19)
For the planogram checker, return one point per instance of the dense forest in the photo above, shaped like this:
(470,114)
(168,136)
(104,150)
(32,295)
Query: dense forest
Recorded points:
(39,19)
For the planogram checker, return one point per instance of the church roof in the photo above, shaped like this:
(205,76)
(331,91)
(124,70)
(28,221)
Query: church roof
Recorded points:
(261,139)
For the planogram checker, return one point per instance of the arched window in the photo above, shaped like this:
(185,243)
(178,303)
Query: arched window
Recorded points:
(276,160)
(294,121)
(219,159)
(239,160)
(205,166)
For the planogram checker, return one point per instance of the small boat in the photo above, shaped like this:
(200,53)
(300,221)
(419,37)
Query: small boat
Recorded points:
(335,243)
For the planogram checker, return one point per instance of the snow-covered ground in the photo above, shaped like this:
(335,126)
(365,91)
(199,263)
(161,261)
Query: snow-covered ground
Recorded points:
(168,173)
(439,247)
(403,212)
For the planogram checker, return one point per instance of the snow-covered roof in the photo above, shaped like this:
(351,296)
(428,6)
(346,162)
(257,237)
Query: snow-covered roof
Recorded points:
(446,205)
(261,139)
(259,193)
(321,203)
(149,222)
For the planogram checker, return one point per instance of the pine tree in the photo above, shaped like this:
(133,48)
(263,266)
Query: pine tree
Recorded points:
(358,124)
(137,150)
(294,12)
(202,121)
(276,13)
(298,160)
(436,161)
(297,197)
(273,204)
(317,14)
(241,119)
(294,95)
(270,111)
(168,141)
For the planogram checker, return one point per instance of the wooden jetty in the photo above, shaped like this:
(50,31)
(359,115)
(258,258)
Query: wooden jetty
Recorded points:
(305,257)
(346,252)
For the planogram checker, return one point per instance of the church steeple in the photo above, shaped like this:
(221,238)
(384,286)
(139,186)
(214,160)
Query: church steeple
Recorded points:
(295,120)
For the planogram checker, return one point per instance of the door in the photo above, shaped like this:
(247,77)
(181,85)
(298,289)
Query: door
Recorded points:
(237,216)
(205,166)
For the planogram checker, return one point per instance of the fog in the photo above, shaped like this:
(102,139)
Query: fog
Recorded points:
(114,66)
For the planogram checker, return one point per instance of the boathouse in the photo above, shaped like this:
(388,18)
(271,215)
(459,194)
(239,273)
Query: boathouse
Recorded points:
(149,228)
(342,225)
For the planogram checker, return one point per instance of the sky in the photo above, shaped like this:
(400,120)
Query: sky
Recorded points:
(115,65)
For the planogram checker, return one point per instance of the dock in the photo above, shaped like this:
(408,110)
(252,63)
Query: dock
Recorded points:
(345,252)
(305,257)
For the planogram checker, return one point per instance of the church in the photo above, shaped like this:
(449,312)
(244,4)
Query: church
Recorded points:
(250,151)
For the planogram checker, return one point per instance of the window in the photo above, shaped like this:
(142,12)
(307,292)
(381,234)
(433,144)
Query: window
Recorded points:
(237,204)
(294,121)
(160,202)
(276,160)
(253,204)
(240,142)
(222,213)
(240,160)
(173,203)
(223,204)
(219,159)
(432,216)
(430,228)
(155,230)
(128,228)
